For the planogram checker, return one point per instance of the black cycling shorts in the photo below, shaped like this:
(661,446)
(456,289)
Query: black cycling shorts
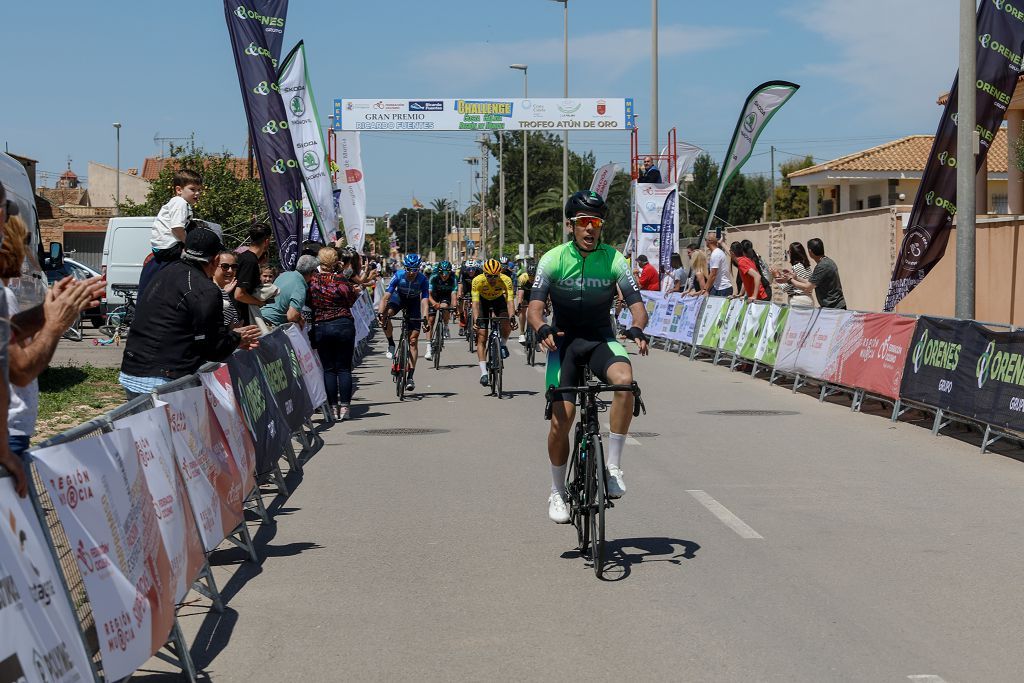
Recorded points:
(573,352)
(411,309)
(494,307)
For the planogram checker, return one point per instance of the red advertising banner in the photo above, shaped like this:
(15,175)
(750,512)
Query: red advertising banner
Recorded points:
(869,352)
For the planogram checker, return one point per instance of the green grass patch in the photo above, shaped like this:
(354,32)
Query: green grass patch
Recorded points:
(72,394)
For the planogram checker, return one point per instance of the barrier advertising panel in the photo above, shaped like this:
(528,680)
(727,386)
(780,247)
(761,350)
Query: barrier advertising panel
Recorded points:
(652,301)
(731,329)
(40,640)
(661,317)
(711,322)
(750,329)
(771,334)
(676,319)
(798,325)
(312,375)
(104,504)
(263,418)
(869,352)
(967,369)
(281,369)
(152,436)
(211,477)
(813,354)
(691,311)
(228,415)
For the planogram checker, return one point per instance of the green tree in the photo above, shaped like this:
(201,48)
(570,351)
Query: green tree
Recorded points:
(791,202)
(227,200)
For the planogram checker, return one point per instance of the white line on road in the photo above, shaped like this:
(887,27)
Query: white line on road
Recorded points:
(927,678)
(723,513)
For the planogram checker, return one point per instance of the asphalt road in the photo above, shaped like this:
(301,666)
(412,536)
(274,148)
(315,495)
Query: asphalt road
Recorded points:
(818,546)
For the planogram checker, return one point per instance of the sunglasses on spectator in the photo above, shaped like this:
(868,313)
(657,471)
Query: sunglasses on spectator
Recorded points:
(229,266)
(588,221)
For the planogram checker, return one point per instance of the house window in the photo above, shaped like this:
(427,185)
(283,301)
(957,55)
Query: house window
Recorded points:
(860,204)
(874,201)
(999,204)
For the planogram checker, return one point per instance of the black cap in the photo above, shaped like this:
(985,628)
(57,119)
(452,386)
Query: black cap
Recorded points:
(12,208)
(641,259)
(202,244)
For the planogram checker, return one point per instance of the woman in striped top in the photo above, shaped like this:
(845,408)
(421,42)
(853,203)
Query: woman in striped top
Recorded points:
(801,267)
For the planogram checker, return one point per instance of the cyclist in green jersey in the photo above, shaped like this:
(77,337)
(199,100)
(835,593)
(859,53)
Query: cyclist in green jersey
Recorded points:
(582,278)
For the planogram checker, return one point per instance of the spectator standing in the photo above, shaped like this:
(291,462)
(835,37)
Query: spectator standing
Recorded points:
(719,282)
(698,283)
(649,173)
(7,460)
(332,295)
(824,280)
(227,268)
(749,273)
(249,271)
(801,267)
(179,321)
(292,285)
(680,275)
(646,275)
(171,224)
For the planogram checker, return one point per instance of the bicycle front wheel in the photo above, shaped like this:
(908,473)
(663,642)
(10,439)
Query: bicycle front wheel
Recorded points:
(403,369)
(596,487)
(531,347)
(437,343)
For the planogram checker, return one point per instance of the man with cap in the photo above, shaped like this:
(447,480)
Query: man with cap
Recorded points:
(179,320)
(647,275)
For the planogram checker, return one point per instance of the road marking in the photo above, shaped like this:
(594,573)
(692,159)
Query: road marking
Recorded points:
(629,440)
(927,678)
(723,514)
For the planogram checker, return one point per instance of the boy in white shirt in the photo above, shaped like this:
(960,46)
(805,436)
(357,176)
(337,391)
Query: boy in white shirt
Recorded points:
(168,235)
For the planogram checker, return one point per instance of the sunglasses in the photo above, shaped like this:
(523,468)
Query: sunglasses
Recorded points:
(588,221)
(229,266)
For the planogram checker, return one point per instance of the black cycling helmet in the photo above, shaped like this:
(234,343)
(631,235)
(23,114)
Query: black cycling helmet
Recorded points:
(585,201)
(531,270)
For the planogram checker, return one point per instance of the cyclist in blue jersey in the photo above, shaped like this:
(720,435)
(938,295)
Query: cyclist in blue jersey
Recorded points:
(581,277)
(408,291)
(442,288)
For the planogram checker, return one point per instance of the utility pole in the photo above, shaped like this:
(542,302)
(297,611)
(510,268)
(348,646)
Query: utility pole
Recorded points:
(501,193)
(526,199)
(418,233)
(654,77)
(484,182)
(966,144)
(772,214)
(565,94)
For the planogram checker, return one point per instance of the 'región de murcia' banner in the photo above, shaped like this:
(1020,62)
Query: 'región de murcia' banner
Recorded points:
(814,350)
(228,414)
(38,626)
(869,351)
(211,477)
(967,369)
(267,119)
(798,326)
(105,506)
(999,47)
(152,435)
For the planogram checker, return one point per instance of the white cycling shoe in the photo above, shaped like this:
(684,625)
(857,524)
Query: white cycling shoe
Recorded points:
(522,339)
(428,355)
(558,512)
(615,483)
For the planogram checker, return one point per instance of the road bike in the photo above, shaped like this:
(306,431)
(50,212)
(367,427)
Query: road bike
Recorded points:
(439,333)
(119,321)
(400,363)
(495,363)
(470,334)
(585,477)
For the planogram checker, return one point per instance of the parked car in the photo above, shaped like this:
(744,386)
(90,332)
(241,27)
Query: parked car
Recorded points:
(79,271)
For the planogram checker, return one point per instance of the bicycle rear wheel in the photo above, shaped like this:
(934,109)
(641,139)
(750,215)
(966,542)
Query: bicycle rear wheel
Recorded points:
(531,347)
(437,342)
(596,485)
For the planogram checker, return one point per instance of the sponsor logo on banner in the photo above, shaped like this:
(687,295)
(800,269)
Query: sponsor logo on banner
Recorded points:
(569,106)
(297,106)
(426,105)
(601,107)
(650,227)
(750,122)
(243,13)
(310,160)
(255,50)
(936,353)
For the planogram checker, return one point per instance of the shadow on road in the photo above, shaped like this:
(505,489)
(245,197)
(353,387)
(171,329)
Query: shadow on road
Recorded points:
(622,554)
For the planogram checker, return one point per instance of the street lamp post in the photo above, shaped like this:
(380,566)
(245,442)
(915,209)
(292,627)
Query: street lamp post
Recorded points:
(117,177)
(565,93)
(654,78)
(526,200)
(472,161)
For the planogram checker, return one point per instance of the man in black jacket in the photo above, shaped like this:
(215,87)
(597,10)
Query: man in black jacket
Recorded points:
(179,320)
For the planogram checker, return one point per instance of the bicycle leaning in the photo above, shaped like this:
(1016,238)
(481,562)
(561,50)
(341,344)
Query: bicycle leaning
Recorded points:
(119,321)
(585,476)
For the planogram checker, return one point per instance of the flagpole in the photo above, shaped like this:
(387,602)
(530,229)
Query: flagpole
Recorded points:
(966,166)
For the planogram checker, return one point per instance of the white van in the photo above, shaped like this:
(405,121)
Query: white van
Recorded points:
(125,247)
(19,191)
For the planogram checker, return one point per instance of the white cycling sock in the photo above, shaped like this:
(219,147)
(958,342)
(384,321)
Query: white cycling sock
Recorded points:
(483,367)
(615,443)
(558,480)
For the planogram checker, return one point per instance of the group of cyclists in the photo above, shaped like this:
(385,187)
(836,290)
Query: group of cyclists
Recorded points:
(580,282)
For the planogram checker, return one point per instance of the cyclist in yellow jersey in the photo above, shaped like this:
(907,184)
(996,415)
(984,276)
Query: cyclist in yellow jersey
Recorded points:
(492,296)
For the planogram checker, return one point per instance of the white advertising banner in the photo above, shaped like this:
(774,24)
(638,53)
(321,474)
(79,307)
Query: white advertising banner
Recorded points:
(362,313)
(99,491)
(41,641)
(662,318)
(711,322)
(152,435)
(351,192)
(211,477)
(798,325)
(813,355)
(691,311)
(596,113)
(673,327)
(650,204)
(652,302)
(369,226)
(310,150)
(750,324)
(603,178)
(311,371)
(221,396)
(732,319)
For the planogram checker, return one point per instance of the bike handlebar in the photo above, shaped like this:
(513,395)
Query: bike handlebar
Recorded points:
(594,390)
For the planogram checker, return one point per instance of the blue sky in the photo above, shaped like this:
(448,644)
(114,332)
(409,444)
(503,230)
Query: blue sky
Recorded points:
(870,72)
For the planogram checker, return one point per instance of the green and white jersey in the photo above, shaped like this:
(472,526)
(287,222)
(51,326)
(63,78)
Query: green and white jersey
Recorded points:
(582,289)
